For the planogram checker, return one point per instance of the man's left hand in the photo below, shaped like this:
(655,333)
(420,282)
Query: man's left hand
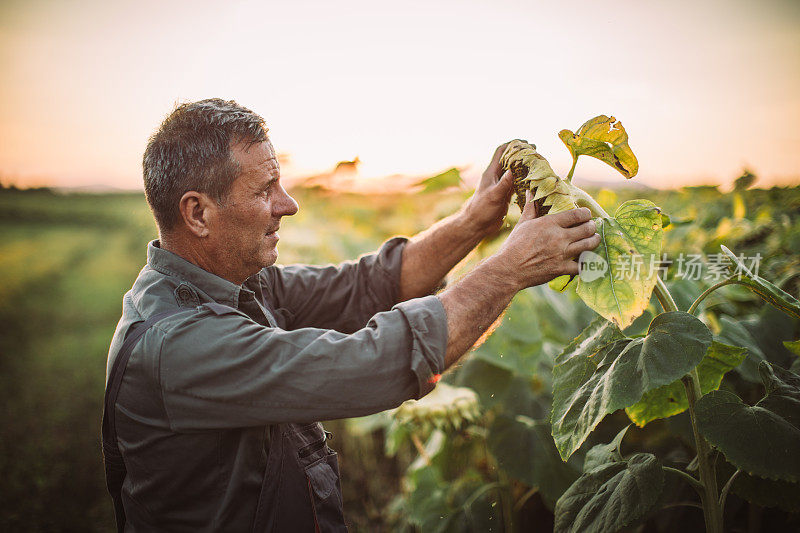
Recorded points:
(487,208)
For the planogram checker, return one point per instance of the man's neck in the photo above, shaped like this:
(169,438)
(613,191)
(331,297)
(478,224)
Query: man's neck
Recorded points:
(195,252)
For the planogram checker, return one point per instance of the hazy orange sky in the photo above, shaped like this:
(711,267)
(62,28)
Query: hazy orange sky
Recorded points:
(703,87)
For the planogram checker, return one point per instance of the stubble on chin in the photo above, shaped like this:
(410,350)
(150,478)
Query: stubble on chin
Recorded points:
(264,257)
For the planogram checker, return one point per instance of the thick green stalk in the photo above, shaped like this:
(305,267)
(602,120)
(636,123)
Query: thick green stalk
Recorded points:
(584,199)
(691,382)
(664,296)
(711,509)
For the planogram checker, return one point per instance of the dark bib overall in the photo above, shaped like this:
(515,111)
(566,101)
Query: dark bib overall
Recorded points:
(301,491)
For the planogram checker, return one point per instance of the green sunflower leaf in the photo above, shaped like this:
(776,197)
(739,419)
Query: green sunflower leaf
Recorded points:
(625,262)
(762,440)
(524,449)
(611,496)
(602,371)
(671,399)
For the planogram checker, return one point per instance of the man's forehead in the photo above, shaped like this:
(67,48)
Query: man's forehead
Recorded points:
(258,156)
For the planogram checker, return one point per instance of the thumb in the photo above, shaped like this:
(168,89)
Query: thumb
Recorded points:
(530,207)
(503,187)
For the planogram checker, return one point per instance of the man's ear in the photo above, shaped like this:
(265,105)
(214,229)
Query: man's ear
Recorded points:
(194,208)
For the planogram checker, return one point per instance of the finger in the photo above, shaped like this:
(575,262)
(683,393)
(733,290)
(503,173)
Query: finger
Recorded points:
(571,268)
(589,243)
(492,173)
(529,212)
(573,217)
(506,184)
(498,153)
(582,231)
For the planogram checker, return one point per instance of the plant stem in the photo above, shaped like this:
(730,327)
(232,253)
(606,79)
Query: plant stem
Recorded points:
(480,491)
(584,199)
(708,479)
(664,304)
(683,504)
(506,502)
(727,488)
(572,170)
(664,297)
(706,292)
(711,509)
(696,485)
(504,487)
(525,497)
(421,449)
(764,295)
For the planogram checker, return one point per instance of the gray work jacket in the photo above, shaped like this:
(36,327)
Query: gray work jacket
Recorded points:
(299,344)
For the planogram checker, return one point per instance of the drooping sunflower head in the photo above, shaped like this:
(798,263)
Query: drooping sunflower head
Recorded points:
(532,172)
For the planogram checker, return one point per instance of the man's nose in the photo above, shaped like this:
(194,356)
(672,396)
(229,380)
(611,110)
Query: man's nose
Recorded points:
(286,206)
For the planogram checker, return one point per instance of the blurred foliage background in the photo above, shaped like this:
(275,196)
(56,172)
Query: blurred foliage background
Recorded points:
(67,259)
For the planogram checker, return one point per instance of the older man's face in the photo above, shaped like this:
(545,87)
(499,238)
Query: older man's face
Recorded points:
(251,215)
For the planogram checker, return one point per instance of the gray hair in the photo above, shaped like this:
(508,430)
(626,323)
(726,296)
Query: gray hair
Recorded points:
(191,151)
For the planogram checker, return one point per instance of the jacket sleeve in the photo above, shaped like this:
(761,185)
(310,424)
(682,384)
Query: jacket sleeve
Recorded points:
(221,369)
(341,297)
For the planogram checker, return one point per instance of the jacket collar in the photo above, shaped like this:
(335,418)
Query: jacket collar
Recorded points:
(216,288)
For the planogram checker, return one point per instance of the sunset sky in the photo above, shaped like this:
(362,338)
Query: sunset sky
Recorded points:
(703,88)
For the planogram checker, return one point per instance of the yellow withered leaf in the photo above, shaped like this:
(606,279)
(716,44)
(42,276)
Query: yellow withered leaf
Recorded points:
(603,138)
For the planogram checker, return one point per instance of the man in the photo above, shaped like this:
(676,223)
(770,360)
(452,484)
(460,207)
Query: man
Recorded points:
(217,408)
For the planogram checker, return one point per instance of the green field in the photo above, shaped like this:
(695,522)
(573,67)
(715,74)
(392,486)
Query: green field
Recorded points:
(66,261)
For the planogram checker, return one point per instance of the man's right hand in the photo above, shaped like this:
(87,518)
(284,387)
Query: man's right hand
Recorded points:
(542,248)
(536,251)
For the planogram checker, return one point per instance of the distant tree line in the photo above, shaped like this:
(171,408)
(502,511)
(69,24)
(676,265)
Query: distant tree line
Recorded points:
(14,188)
